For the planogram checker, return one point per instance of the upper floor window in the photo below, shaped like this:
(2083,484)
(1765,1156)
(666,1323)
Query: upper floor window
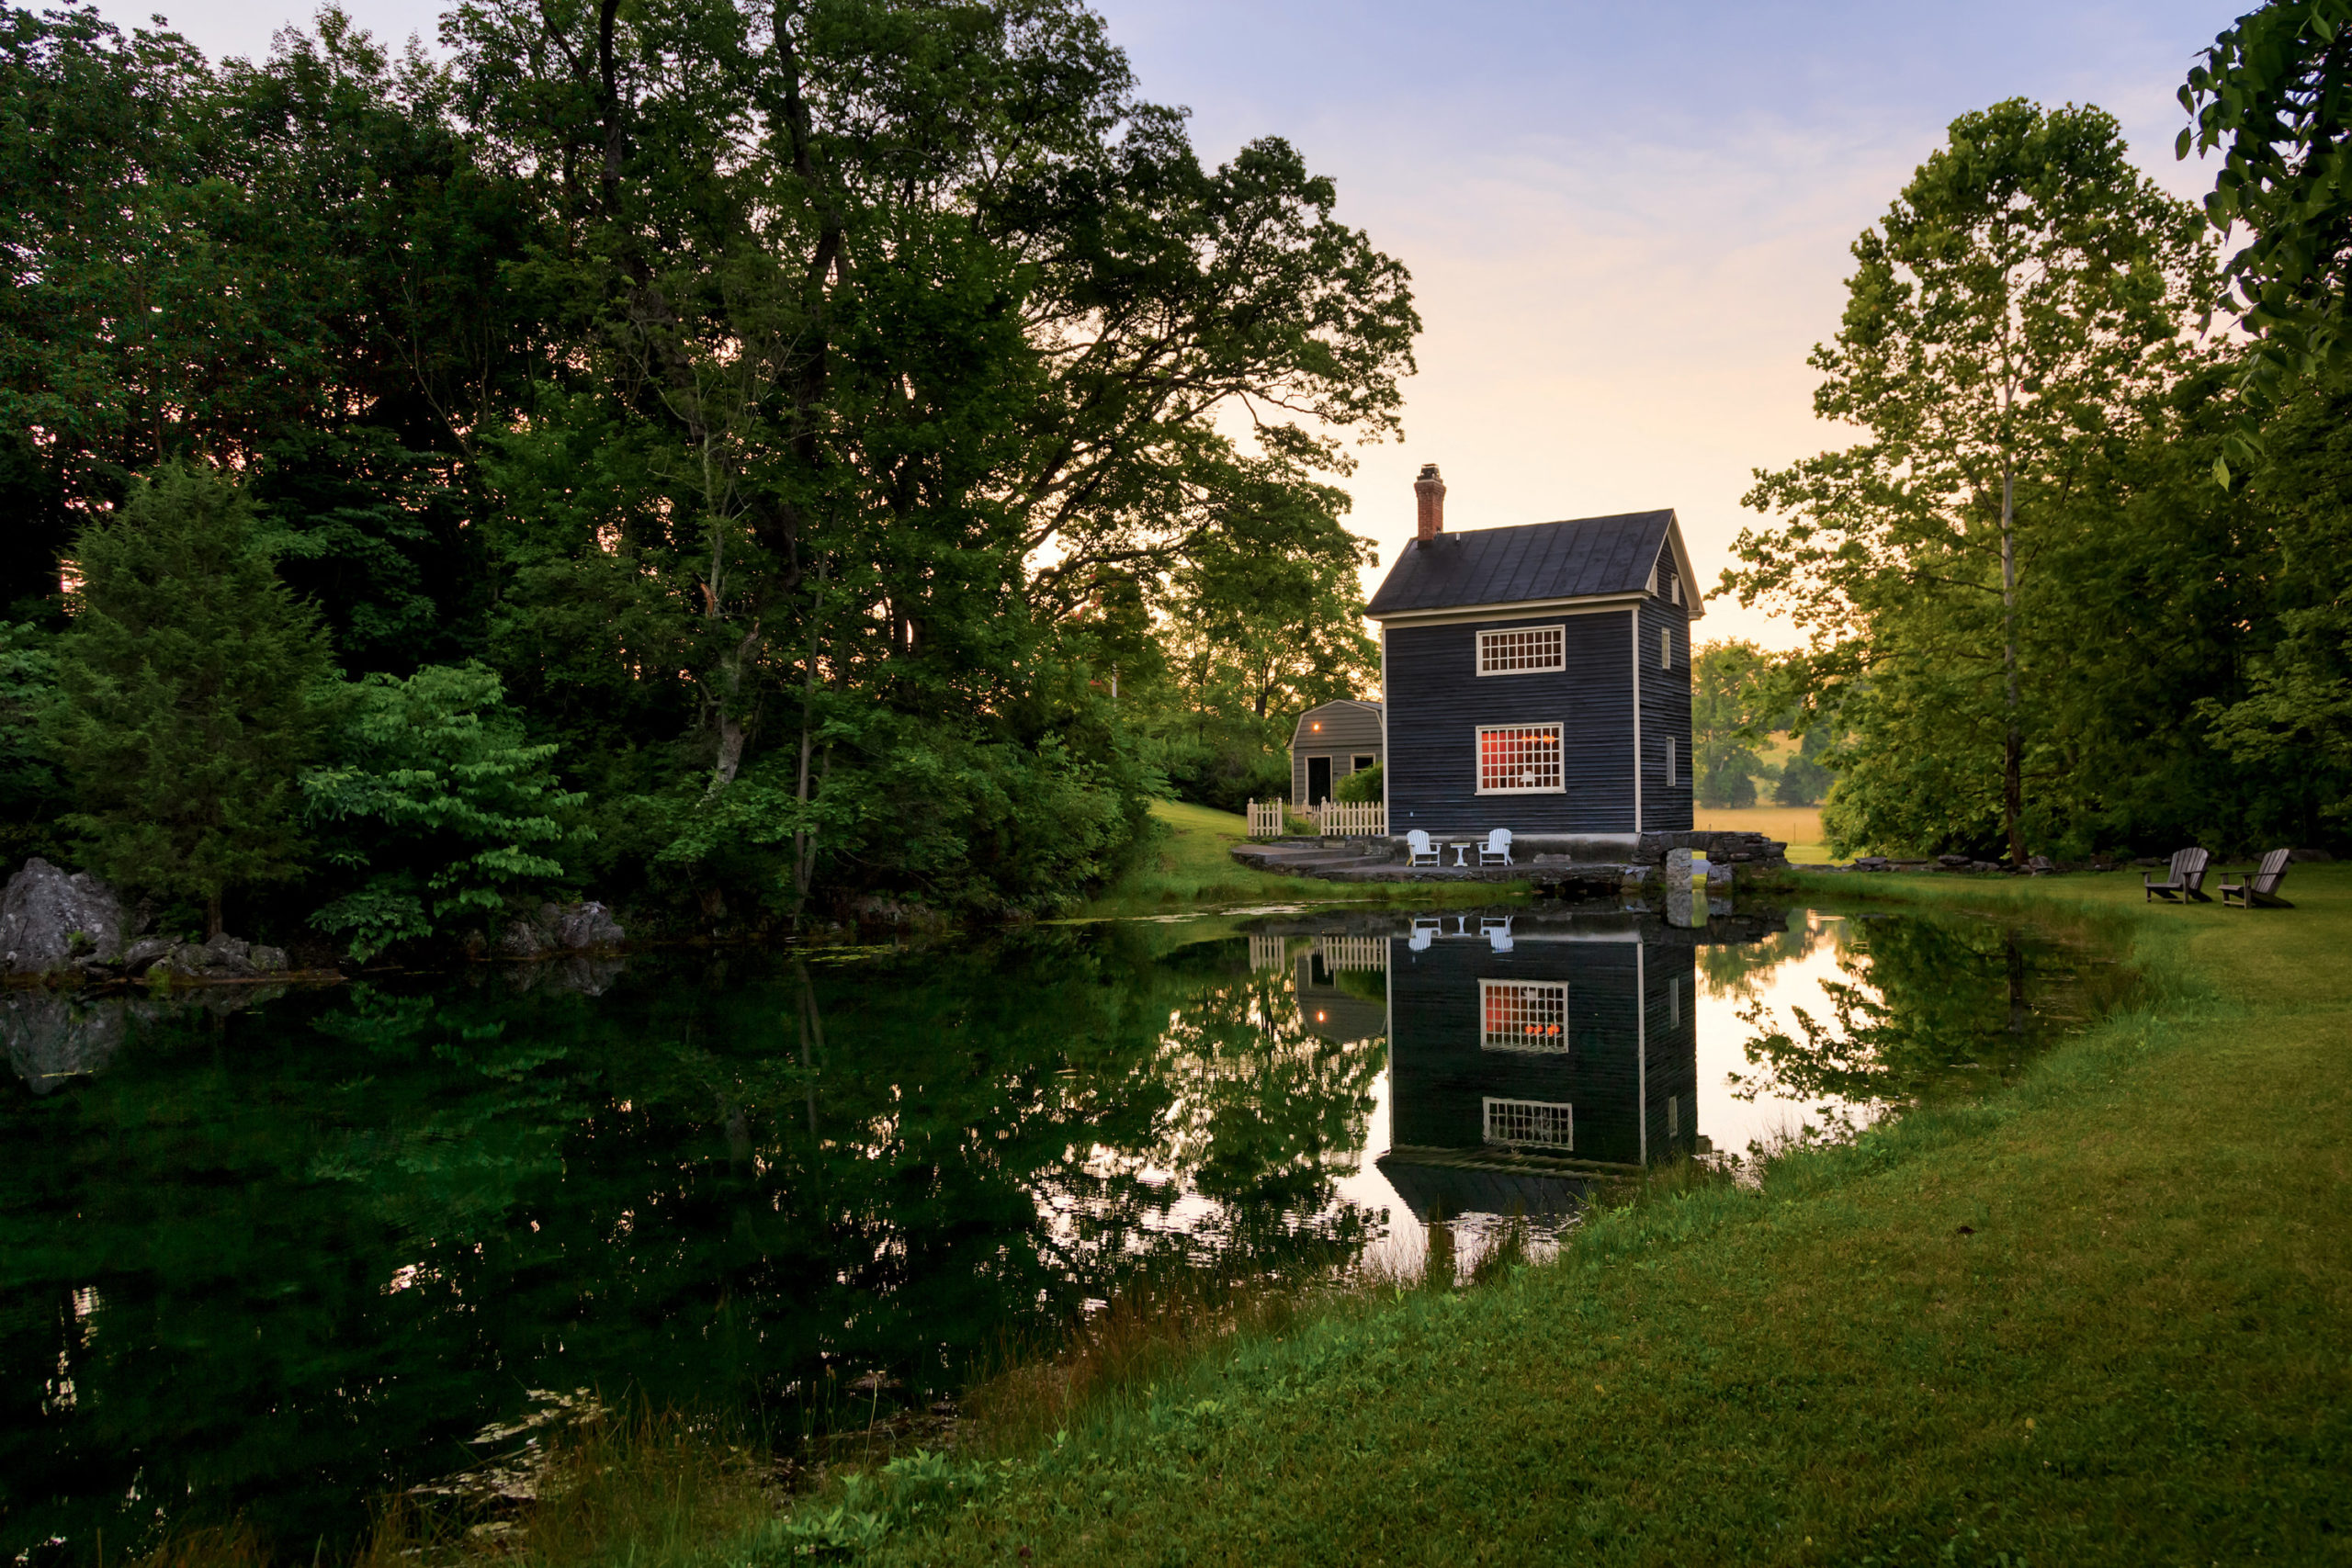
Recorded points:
(1666,648)
(1518,759)
(1523,1015)
(1522,650)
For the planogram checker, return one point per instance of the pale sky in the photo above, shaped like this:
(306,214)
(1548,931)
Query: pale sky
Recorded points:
(1627,224)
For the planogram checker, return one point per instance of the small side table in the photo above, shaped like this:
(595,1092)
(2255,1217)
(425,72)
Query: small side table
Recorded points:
(1461,852)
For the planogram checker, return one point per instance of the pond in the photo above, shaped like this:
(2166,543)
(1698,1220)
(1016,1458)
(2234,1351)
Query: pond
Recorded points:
(274,1256)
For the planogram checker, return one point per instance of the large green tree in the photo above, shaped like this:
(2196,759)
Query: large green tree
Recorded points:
(2017,323)
(192,689)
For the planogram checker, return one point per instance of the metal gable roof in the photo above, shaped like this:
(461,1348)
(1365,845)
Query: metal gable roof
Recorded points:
(1577,558)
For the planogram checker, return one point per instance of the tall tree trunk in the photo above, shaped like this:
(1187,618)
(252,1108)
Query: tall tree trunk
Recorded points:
(2013,743)
(804,837)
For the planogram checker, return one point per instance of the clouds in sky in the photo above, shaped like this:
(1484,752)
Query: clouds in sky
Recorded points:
(1627,225)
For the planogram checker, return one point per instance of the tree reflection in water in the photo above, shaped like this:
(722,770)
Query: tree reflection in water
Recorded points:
(272,1263)
(1929,1007)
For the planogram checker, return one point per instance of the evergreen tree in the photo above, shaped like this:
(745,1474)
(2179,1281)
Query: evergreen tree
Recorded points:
(190,696)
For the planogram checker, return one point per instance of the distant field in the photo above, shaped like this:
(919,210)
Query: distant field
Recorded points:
(1800,825)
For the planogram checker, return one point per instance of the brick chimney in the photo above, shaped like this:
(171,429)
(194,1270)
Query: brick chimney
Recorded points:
(1429,490)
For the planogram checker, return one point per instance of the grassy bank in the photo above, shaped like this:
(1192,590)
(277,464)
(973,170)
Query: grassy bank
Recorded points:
(1190,866)
(2099,1318)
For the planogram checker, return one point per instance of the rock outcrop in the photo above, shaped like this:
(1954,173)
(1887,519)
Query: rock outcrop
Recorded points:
(50,922)
(225,957)
(557,928)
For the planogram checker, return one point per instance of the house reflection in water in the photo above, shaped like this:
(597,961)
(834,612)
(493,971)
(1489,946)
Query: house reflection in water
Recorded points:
(1529,1052)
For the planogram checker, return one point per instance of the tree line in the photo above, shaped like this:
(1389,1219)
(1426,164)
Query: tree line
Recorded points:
(740,459)
(2085,583)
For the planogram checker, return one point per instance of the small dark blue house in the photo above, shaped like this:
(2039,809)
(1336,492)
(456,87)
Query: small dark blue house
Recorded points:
(1538,678)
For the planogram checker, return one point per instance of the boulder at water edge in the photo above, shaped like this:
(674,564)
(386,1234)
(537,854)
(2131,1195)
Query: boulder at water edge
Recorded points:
(49,919)
(562,927)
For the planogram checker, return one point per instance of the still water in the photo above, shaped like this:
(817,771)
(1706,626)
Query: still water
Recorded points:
(273,1256)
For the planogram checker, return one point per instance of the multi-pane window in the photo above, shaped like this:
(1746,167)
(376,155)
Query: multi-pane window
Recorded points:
(1522,650)
(1531,1124)
(1519,758)
(1523,1015)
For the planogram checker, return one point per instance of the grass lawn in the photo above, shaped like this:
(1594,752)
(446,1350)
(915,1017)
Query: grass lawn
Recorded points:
(1192,867)
(2101,1317)
(1798,826)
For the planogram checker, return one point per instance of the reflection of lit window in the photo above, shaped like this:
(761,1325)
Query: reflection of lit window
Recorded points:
(1520,652)
(1531,1124)
(1524,1015)
(1519,758)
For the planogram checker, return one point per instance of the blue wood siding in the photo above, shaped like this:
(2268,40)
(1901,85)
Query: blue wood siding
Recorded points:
(1666,715)
(1437,701)
(1442,1076)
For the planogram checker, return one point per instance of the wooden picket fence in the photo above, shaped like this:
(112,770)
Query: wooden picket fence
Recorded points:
(1343,819)
(1332,819)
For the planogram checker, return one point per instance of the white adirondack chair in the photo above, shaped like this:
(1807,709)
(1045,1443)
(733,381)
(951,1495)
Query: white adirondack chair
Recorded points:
(1419,849)
(1495,850)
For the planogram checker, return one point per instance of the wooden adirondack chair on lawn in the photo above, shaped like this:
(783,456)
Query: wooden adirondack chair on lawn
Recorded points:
(2184,881)
(2262,888)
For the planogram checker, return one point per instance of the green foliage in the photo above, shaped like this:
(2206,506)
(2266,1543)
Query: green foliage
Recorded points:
(2274,94)
(436,798)
(30,798)
(1365,786)
(775,454)
(192,691)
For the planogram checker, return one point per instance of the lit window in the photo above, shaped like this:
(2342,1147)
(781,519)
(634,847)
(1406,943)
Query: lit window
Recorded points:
(1531,1124)
(1522,651)
(1523,1015)
(1666,648)
(1518,759)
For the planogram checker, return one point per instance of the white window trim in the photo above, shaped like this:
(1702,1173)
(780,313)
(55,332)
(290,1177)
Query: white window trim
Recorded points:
(1547,1049)
(1478,754)
(1558,627)
(1487,1123)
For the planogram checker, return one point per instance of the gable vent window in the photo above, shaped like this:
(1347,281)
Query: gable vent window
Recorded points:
(1523,651)
(1666,648)
(1531,1124)
(1674,590)
(1524,1015)
(1518,759)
